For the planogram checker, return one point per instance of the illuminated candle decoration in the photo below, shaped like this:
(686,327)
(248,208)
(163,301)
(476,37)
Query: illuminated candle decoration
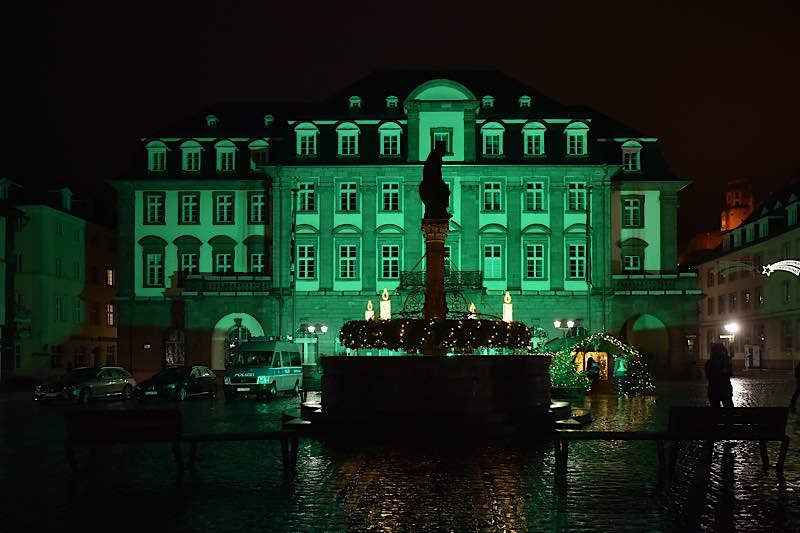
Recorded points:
(369,314)
(473,311)
(386,305)
(507,308)
(787,265)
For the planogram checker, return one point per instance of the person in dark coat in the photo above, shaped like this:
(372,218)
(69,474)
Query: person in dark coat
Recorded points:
(793,402)
(718,374)
(592,370)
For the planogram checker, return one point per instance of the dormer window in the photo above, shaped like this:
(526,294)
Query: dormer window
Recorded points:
(487,102)
(348,139)
(524,101)
(212,121)
(306,139)
(390,139)
(576,138)
(533,139)
(190,156)
(492,133)
(226,156)
(630,156)
(259,154)
(391,102)
(156,156)
(355,102)
(269,120)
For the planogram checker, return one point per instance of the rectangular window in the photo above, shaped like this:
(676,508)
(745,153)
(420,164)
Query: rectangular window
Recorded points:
(257,263)
(223,208)
(110,315)
(732,302)
(492,261)
(77,311)
(747,300)
(348,143)
(576,196)
(307,143)
(534,143)
(17,262)
(492,196)
(632,263)
(710,306)
(110,277)
(76,270)
(191,160)
(576,143)
(59,267)
(306,198)
(190,207)
(59,229)
(306,262)
(226,160)
(189,263)
(348,201)
(710,278)
(158,160)
(390,196)
(534,196)
(491,143)
(577,261)
(347,261)
(59,309)
(534,261)
(443,137)
(154,208)
(154,270)
(259,157)
(631,213)
(448,258)
(223,263)
(721,304)
(390,261)
(390,144)
(630,161)
(257,206)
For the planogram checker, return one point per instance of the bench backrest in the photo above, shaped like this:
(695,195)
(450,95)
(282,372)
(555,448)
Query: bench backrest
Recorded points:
(728,423)
(142,425)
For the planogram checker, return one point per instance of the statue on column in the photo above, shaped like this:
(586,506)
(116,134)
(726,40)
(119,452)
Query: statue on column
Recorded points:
(433,191)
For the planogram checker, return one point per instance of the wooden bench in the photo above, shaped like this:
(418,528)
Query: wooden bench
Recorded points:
(709,424)
(108,427)
(288,439)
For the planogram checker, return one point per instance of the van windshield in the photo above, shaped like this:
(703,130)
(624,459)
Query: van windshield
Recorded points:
(250,359)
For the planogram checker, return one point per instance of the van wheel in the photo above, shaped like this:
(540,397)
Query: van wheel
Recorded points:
(273,390)
(296,389)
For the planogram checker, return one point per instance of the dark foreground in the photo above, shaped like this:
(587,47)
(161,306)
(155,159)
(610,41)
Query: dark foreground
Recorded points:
(413,485)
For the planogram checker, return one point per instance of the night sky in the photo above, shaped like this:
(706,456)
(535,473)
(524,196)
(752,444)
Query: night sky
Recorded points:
(718,83)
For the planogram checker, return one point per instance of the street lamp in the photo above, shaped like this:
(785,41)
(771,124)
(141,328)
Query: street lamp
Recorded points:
(316,330)
(732,328)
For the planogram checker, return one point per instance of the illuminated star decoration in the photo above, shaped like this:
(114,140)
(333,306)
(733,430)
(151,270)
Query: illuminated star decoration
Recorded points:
(787,265)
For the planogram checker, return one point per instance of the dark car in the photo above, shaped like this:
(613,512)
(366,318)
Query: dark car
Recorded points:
(178,383)
(51,389)
(85,383)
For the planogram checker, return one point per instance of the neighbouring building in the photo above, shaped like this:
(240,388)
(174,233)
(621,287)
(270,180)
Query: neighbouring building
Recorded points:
(63,287)
(571,212)
(737,290)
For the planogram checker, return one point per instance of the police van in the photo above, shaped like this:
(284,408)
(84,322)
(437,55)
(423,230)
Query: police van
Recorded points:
(263,367)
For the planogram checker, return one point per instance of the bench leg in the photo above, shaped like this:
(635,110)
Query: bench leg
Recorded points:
(762,444)
(782,455)
(73,463)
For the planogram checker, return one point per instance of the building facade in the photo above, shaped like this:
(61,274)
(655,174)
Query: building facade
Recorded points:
(63,290)
(737,289)
(572,213)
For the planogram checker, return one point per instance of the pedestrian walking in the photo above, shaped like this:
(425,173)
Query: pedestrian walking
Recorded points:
(793,402)
(718,374)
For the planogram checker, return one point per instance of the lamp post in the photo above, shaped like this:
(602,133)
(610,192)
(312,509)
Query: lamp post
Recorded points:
(564,326)
(732,328)
(316,330)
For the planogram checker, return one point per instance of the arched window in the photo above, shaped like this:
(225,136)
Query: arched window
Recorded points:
(354,102)
(156,156)
(259,154)
(348,139)
(576,134)
(631,161)
(391,102)
(236,336)
(306,139)
(524,101)
(390,139)
(533,138)
(222,252)
(492,133)
(226,156)
(190,156)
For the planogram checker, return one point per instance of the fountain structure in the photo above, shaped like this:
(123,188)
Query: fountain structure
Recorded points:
(490,394)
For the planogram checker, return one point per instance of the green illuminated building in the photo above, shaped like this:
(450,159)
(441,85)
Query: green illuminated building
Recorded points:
(571,212)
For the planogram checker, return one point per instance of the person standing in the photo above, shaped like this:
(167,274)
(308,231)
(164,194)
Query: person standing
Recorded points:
(718,374)
(793,402)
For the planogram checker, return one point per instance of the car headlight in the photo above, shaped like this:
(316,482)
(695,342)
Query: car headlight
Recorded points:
(171,385)
(261,380)
(226,380)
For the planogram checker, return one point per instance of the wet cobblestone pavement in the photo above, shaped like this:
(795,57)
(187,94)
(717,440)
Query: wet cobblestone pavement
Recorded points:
(417,485)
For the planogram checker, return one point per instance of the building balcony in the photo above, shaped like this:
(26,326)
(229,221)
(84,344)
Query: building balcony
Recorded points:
(217,284)
(665,284)
(453,279)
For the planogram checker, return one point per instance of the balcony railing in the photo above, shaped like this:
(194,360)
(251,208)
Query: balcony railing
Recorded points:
(453,279)
(683,283)
(223,284)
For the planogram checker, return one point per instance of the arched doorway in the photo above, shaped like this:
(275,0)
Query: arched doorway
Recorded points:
(649,335)
(232,329)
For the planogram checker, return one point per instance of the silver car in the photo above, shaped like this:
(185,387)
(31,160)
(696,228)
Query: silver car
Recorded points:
(85,383)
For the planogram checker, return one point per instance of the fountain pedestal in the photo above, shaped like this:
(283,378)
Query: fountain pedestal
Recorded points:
(435,308)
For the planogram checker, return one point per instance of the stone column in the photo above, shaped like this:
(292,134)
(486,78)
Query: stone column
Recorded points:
(435,303)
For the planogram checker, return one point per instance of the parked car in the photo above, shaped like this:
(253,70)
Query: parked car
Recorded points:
(51,389)
(85,383)
(178,383)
